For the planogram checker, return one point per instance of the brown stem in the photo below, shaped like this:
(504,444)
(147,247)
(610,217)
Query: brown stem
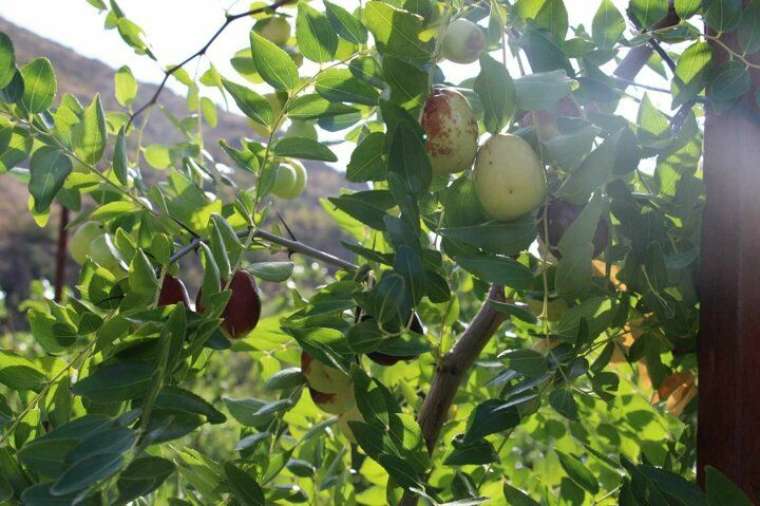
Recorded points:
(60,256)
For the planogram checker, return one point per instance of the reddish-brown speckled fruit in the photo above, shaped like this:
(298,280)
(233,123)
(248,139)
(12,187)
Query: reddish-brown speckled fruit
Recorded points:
(561,214)
(463,41)
(243,310)
(335,403)
(452,131)
(173,291)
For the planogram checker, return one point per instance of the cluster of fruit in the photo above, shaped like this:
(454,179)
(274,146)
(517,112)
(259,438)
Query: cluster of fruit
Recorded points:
(509,178)
(240,316)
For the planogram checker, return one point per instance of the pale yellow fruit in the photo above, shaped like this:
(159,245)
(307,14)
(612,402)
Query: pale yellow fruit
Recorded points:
(276,29)
(336,403)
(509,178)
(324,378)
(463,41)
(79,244)
(352,415)
(452,131)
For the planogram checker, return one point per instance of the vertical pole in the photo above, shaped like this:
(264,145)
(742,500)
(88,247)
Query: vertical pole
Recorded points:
(729,340)
(60,255)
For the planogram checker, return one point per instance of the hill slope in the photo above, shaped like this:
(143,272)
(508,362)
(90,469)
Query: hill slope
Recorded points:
(26,252)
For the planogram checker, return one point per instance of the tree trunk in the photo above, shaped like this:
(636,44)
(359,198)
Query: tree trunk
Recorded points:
(729,340)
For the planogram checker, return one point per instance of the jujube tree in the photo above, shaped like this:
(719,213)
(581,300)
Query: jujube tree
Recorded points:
(518,324)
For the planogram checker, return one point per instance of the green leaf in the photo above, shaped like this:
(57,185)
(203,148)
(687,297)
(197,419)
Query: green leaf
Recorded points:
(275,66)
(113,440)
(340,85)
(316,36)
(143,476)
(722,491)
(722,15)
(125,86)
(573,275)
(731,80)
(142,276)
(46,455)
(276,272)
(120,161)
(542,91)
(517,497)
(549,14)
(116,382)
(691,72)
(496,237)
(20,373)
(477,452)
(7,61)
(368,160)
(563,403)
(608,25)
(89,136)
(345,24)
(158,156)
(49,168)
(285,379)
(396,31)
(408,83)
(648,12)
(408,158)
(529,363)
(244,487)
(40,85)
(87,472)
(172,398)
(251,103)
(519,310)
(578,472)
(687,8)
(498,269)
(313,106)
(497,93)
(208,108)
(491,417)
(368,207)
(301,147)
(749,28)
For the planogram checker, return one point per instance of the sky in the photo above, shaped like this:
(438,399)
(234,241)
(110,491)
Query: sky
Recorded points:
(176,29)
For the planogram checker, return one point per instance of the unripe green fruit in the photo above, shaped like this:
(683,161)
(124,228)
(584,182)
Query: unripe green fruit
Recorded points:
(285,179)
(302,129)
(324,378)
(463,41)
(276,29)
(452,131)
(79,245)
(104,253)
(509,178)
(285,172)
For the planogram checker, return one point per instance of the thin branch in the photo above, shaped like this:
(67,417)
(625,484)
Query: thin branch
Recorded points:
(294,246)
(229,19)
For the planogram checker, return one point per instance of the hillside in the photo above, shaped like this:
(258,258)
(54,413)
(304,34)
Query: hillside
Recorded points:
(84,78)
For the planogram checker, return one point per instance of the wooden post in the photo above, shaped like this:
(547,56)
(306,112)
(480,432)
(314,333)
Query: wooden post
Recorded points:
(729,340)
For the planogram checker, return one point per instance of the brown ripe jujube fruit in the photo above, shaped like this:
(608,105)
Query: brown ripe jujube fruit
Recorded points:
(561,214)
(243,310)
(173,291)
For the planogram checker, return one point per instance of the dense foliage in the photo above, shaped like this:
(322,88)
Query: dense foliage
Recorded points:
(577,233)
